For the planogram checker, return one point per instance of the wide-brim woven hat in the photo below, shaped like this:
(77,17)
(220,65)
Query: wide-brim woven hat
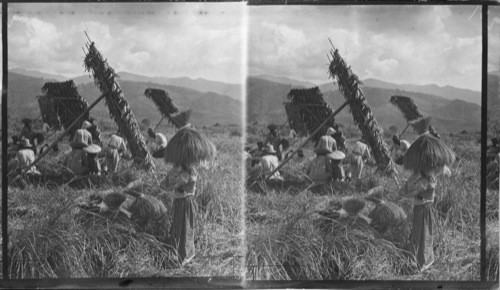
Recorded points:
(325,145)
(92,149)
(337,155)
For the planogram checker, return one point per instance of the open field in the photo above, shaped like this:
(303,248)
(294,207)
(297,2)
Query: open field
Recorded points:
(286,239)
(50,237)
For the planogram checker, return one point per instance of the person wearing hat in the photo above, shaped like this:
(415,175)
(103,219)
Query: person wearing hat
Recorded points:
(337,156)
(82,137)
(186,151)
(24,157)
(274,138)
(115,149)
(92,162)
(161,143)
(270,162)
(427,158)
(360,152)
(321,167)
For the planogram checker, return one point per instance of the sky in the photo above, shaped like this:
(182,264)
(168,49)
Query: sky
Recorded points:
(494,38)
(197,40)
(399,44)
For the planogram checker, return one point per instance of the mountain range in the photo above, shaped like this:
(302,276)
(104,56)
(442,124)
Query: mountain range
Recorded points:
(447,92)
(199,84)
(265,104)
(208,108)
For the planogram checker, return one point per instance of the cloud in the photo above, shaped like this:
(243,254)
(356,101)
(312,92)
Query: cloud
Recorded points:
(401,44)
(157,39)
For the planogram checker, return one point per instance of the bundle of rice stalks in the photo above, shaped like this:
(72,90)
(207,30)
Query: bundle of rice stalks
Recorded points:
(307,108)
(407,107)
(119,110)
(67,102)
(162,101)
(385,214)
(428,153)
(48,112)
(188,147)
(421,126)
(353,205)
(349,86)
(149,214)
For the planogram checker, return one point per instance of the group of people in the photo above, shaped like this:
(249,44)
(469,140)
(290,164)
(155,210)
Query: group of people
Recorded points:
(23,149)
(427,158)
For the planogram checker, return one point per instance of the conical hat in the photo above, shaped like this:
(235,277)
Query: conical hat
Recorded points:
(92,149)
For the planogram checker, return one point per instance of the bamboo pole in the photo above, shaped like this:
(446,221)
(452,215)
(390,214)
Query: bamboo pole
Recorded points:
(159,123)
(308,138)
(63,134)
(404,130)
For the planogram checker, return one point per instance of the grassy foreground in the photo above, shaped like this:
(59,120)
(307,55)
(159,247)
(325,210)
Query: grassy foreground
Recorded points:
(286,239)
(50,237)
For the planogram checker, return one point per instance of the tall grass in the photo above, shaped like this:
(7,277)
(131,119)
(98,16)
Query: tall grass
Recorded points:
(286,240)
(49,236)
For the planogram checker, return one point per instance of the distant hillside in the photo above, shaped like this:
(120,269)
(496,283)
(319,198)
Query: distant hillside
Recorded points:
(265,104)
(209,108)
(38,74)
(201,85)
(447,92)
(494,97)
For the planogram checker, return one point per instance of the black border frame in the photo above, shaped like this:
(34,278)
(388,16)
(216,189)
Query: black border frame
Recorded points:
(217,282)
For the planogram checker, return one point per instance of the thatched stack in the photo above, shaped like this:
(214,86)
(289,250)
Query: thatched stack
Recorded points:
(427,154)
(349,85)
(162,101)
(407,107)
(48,111)
(61,105)
(306,108)
(119,110)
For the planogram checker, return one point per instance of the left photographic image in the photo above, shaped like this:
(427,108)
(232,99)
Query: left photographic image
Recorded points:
(124,140)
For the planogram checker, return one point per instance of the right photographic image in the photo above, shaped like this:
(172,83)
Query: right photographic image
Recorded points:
(363,143)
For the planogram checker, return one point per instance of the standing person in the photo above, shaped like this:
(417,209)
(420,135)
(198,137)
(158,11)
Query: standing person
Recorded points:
(161,143)
(360,152)
(115,149)
(274,138)
(427,157)
(186,150)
